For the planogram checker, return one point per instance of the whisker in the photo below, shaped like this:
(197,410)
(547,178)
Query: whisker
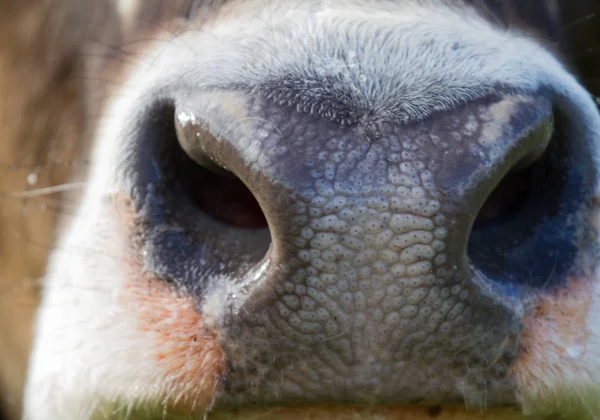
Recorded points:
(38,192)
(579,21)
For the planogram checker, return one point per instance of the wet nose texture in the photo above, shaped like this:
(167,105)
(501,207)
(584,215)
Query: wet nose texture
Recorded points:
(366,293)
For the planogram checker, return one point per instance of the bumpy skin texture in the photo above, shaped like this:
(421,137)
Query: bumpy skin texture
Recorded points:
(366,293)
(370,133)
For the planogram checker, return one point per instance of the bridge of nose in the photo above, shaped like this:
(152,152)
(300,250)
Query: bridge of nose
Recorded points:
(366,294)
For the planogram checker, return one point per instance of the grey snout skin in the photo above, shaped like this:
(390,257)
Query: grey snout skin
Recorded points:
(366,293)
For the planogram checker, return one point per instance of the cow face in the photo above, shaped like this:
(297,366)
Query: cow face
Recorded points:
(328,208)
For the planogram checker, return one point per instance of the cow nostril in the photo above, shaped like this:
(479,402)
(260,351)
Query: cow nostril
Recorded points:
(526,232)
(214,189)
(194,218)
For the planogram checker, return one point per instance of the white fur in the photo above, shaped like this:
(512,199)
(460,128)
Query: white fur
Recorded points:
(88,357)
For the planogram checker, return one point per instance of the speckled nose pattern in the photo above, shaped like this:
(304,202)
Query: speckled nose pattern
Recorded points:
(366,293)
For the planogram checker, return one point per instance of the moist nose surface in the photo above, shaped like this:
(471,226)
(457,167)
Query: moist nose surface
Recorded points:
(367,294)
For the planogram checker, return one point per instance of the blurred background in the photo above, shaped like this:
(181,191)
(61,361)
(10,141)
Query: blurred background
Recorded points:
(43,47)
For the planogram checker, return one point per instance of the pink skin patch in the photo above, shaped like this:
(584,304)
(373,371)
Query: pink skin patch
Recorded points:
(554,340)
(188,358)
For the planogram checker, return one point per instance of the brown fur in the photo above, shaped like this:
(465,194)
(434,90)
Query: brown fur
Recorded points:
(186,351)
(48,49)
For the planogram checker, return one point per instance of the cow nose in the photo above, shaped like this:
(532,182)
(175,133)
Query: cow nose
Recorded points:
(369,285)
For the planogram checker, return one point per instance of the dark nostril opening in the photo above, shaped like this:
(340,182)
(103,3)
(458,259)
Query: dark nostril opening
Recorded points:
(528,231)
(212,188)
(509,198)
(194,218)
(221,195)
